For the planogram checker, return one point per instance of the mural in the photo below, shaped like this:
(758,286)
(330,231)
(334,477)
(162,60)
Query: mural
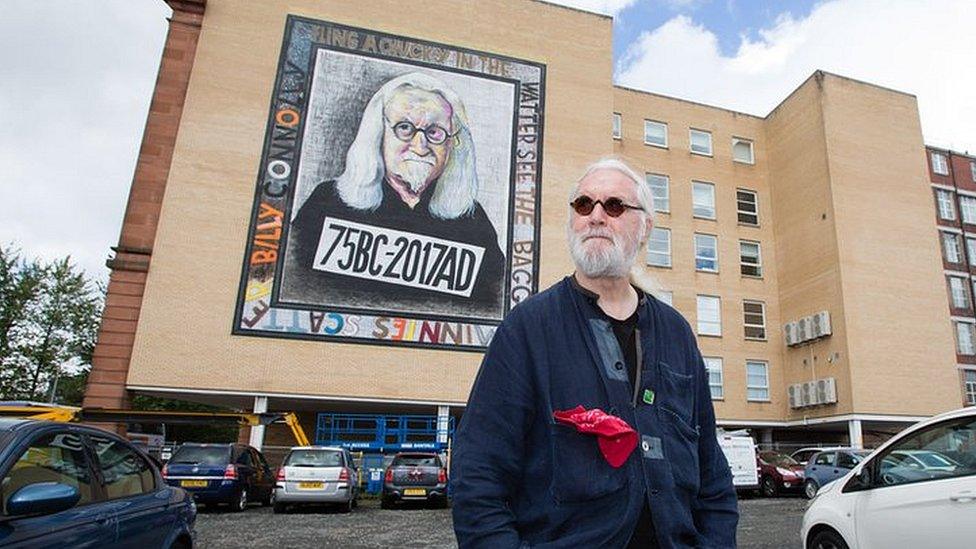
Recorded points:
(397,201)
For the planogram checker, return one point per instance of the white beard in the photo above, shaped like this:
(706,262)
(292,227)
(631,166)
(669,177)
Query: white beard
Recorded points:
(414,174)
(614,261)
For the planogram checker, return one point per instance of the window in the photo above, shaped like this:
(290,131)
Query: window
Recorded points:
(964,338)
(826,458)
(958,289)
(754,319)
(967,205)
(659,247)
(706,253)
(656,133)
(947,210)
(971,250)
(126,473)
(950,245)
(757,380)
(847,461)
(970,386)
(701,142)
(939,164)
(972,169)
(660,189)
(750,258)
(742,150)
(709,315)
(944,450)
(703,199)
(55,457)
(616,125)
(714,367)
(664,296)
(747,207)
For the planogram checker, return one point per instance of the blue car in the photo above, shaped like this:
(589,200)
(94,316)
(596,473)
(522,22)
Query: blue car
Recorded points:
(66,485)
(830,465)
(233,474)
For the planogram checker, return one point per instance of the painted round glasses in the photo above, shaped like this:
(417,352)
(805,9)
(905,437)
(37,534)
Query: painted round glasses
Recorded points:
(404,130)
(614,206)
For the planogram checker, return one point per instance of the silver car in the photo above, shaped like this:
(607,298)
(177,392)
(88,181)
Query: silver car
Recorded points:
(317,475)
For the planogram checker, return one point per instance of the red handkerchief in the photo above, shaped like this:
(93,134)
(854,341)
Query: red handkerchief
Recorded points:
(616,439)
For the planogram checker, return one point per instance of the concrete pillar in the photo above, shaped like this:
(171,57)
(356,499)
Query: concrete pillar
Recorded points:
(443,422)
(855,433)
(257,431)
(766,438)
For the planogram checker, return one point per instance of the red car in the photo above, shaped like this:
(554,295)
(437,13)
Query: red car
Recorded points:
(779,473)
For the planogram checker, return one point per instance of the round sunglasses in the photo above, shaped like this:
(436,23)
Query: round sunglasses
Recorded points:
(614,206)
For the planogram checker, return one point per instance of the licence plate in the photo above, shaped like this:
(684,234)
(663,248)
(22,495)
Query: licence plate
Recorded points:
(311,485)
(193,483)
(415,492)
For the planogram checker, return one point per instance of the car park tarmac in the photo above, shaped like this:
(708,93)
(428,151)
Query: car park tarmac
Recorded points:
(765,523)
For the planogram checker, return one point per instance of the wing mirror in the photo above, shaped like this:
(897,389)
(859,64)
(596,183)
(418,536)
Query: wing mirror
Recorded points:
(42,498)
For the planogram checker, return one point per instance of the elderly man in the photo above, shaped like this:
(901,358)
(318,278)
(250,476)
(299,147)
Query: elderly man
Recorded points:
(402,222)
(590,423)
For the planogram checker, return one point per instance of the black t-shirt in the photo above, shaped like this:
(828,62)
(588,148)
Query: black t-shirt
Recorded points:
(626,331)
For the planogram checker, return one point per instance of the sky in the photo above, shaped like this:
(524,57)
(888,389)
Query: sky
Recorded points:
(76,78)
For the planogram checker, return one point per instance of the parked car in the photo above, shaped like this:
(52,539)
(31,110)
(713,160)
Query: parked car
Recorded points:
(886,502)
(317,474)
(415,477)
(235,474)
(740,452)
(67,485)
(829,465)
(779,473)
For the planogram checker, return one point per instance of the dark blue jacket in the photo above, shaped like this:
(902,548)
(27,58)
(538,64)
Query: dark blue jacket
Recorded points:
(521,479)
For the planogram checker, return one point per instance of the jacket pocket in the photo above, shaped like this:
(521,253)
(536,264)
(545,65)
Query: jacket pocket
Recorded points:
(681,451)
(677,393)
(580,472)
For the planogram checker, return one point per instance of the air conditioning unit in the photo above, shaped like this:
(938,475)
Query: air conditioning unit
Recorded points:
(826,391)
(821,324)
(805,328)
(789,331)
(808,393)
(796,399)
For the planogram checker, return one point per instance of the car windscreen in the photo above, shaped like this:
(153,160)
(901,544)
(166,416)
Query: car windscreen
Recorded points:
(314,458)
(202,455)
(779,460)
(416,461)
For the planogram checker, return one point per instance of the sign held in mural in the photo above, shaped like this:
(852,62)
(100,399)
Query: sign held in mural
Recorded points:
(397,198)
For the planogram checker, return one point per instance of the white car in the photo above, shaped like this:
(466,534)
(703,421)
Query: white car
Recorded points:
(916,490)
(317,475)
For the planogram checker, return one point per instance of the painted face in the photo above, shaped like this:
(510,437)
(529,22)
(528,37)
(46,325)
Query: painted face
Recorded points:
(417,141)
(601,245)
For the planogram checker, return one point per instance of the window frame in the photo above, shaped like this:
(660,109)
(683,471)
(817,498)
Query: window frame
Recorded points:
(963,286)
(697,256)
(96,464)
(945,205)
(617,126)
(765,387)
(752,150)
(667,191)
(972,338)
(746,325)
(698,315)
(721,377)
(648,121)
(972,169)
(969,387)
(943,163)
(970,201)
(954,238)
(743,265)
(694,204)
(874,466)
(691,142)
(739,212)
(98,495)
(650,239)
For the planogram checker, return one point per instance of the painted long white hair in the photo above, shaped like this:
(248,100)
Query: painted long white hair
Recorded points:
(360,185)
(645,198)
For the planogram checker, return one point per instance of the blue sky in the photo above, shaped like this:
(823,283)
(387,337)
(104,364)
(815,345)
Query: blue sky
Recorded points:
(728,19)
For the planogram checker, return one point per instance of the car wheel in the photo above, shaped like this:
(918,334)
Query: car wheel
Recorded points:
(810,488)
(769,487)
(241,503)
(827,539)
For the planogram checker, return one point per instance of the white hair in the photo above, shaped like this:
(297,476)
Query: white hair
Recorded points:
(360,185)
(645,199)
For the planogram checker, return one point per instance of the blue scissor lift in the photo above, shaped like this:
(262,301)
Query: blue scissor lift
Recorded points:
(377,435)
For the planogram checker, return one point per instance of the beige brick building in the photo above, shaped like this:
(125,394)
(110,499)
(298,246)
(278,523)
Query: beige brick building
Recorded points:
(813,220)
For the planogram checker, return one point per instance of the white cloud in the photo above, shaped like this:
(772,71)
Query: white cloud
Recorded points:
(77,80)
(923,48)
(606,7)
